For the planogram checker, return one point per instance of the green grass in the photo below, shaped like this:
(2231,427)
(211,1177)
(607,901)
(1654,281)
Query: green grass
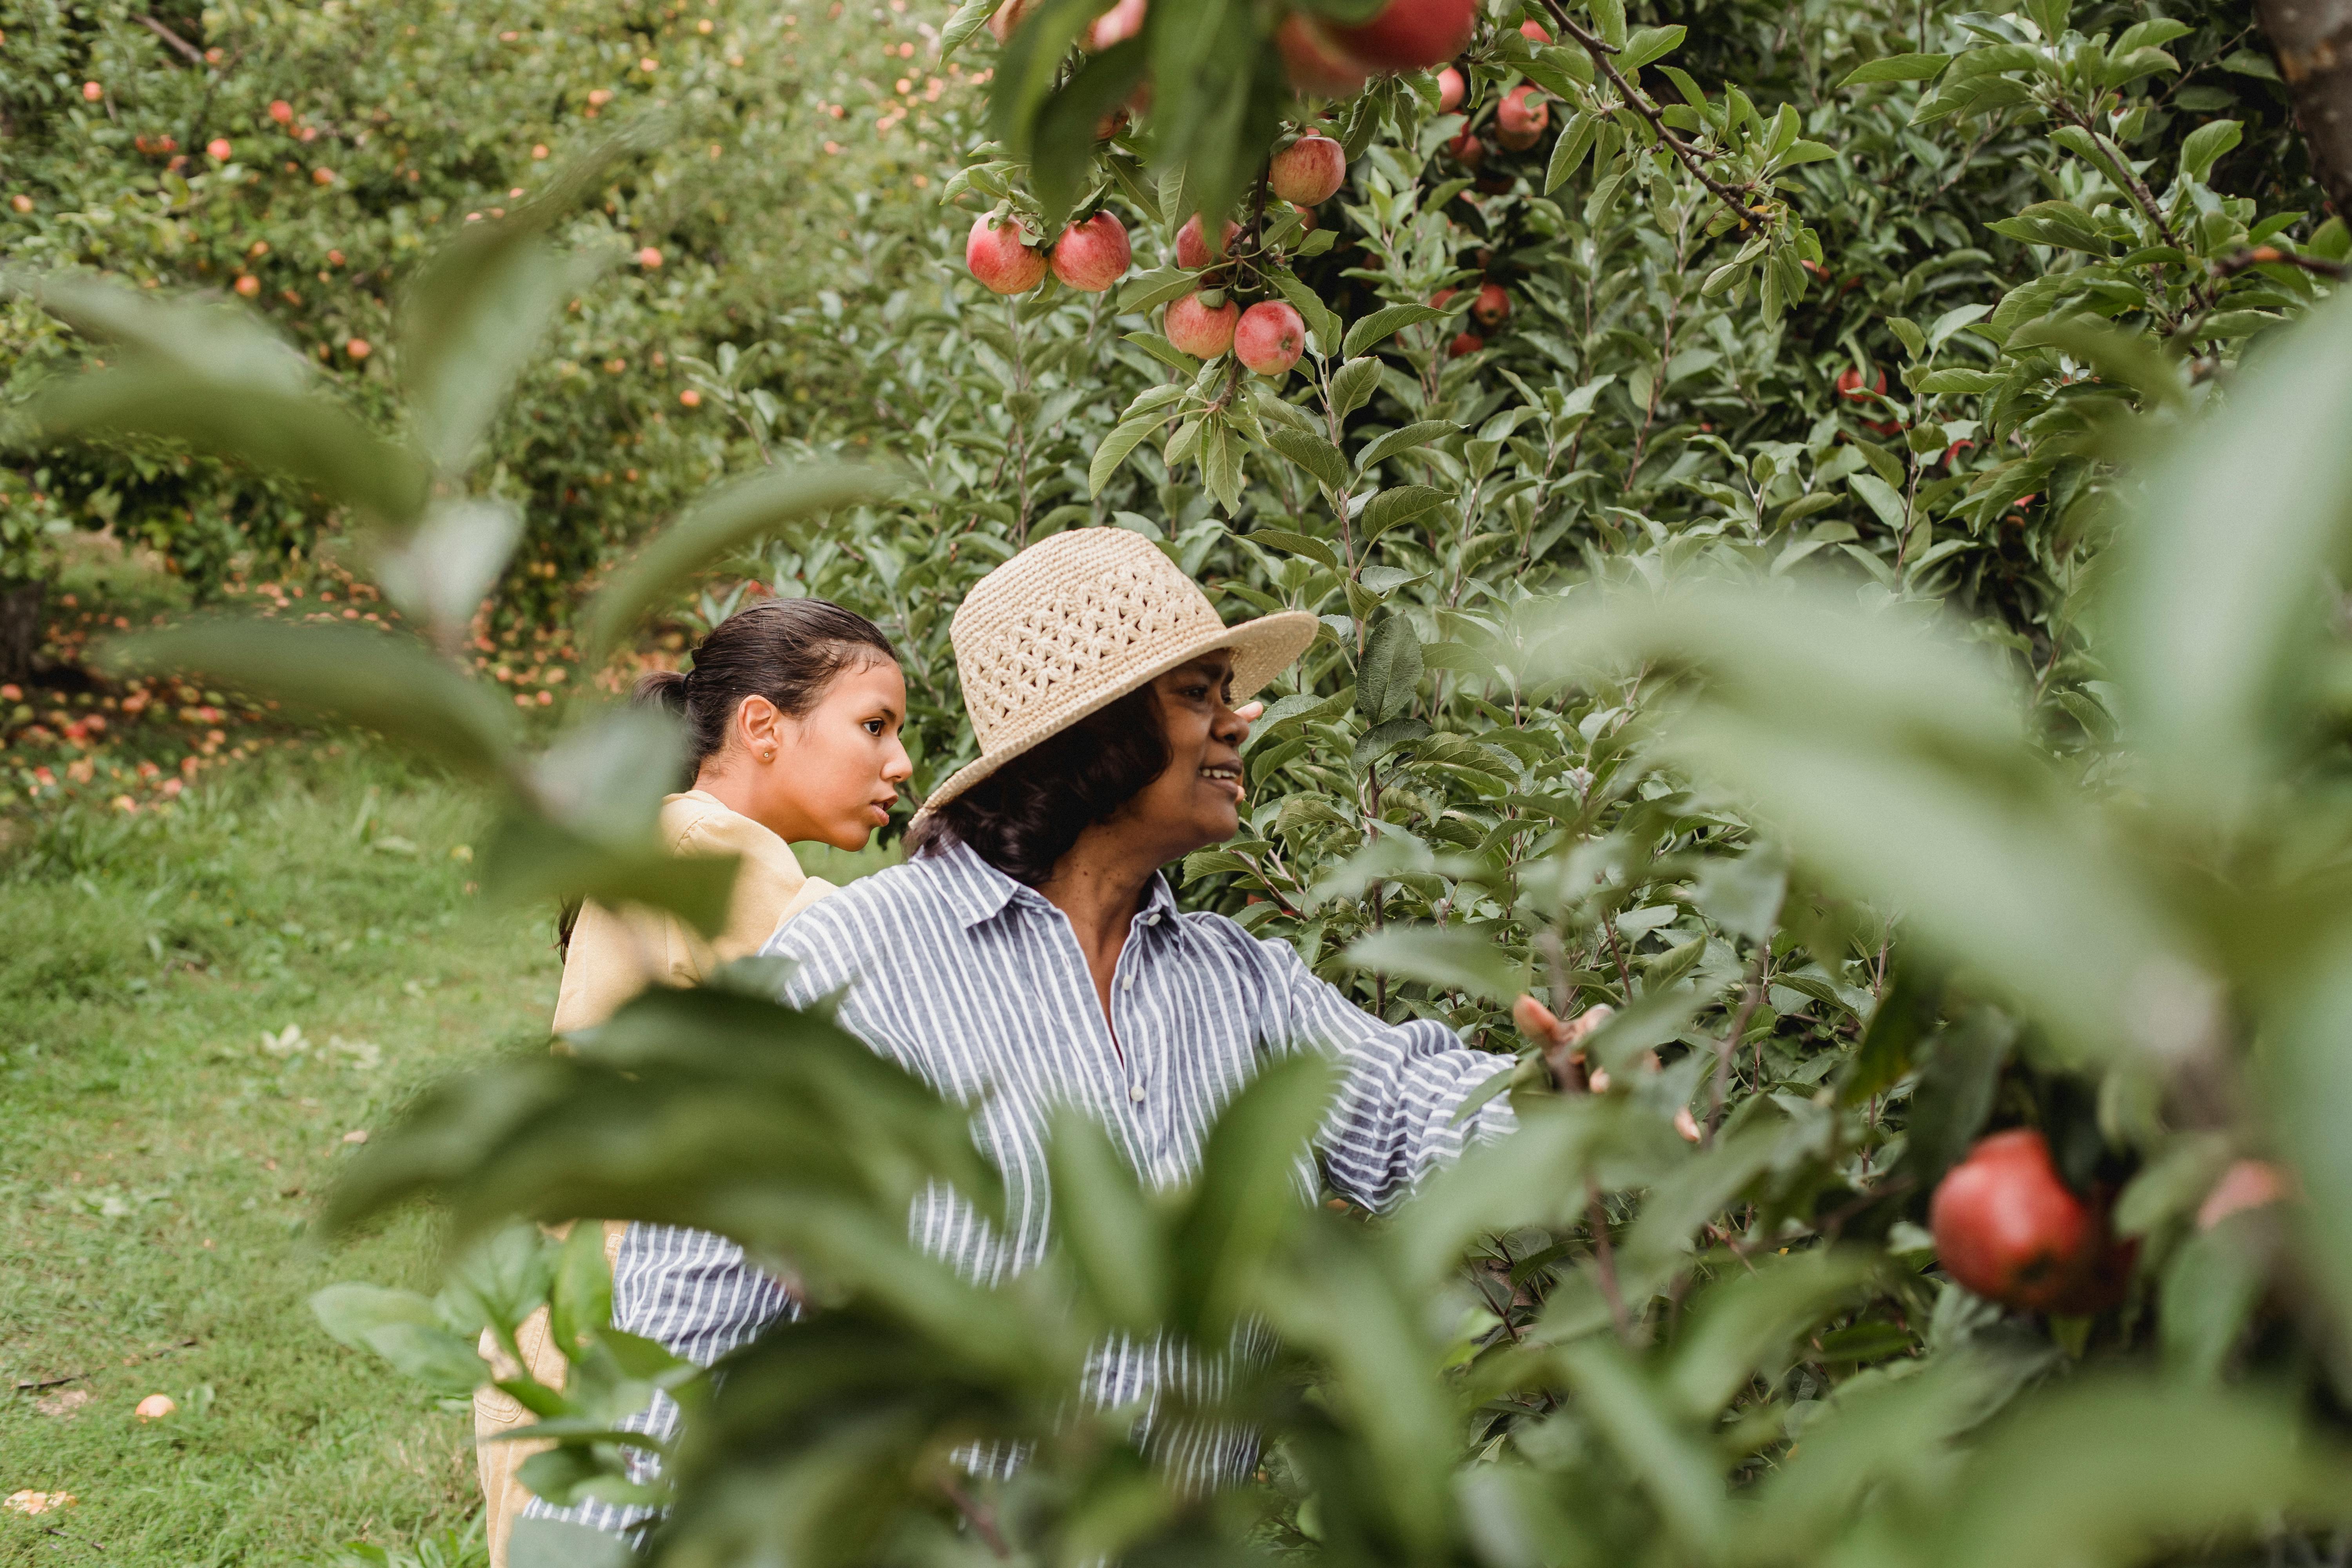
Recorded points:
(158,1162)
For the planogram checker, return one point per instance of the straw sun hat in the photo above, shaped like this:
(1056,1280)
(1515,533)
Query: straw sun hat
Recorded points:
(1077,621)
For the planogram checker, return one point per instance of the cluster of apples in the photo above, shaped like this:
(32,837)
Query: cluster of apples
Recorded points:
(1490,310)
(1090,256)
(1520,119)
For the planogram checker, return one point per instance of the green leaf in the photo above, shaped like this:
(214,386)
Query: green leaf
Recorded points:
(1146,290)
(1352,385)
(1421,433)
(2060,224)
(1246,1200)
(1390,672)
(1317,456)
(2211,1285)
(351,1312)
(580,1304)
(1109,1228)
(726,518)
(1400,505)
(968,19)
(2211,619)
(2125,357)
(1883,499)
(530,860)
(2109,1469)
(1123,439)
(2204,146)
(440,571)
(1897,68)
(442,1362)
(1666,1458)
(1375,329)
(211,376)
(1649,44)
(471,321)
(1744,1326)
(377,680)
(558,1543)
(1447,956)
(1385,736)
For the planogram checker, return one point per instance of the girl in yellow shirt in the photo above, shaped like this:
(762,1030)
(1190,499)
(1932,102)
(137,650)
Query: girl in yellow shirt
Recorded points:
(792,713)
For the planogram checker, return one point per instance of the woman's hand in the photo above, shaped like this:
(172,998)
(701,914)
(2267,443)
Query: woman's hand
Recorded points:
(1562,1043)
(1563,1053)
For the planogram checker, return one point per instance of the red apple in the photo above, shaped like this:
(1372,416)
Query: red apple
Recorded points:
(1308,171)
(1465,343)
(2009,1230)
(1453,87)
(1270,336)
(1493,305)
(1090,256)
(1521,117)
(1314,61)
(1849,385)
(1467,149)
(281,112)
(1438,301)
(1115,26)
(1411,35)
(999,260)
(1199,330)
(1192,247)
(1534,33)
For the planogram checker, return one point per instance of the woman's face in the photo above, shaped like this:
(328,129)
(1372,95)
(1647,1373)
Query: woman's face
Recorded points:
(835,770)
(1196,800)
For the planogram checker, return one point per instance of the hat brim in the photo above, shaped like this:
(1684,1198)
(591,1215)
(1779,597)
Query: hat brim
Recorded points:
(1262,650)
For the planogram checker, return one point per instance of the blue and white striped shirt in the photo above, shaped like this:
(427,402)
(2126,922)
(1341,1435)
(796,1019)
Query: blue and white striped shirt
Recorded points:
(976,983)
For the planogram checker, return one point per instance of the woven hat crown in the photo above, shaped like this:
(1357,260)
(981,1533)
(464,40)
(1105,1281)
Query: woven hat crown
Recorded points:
(1079,620)
(1040,634)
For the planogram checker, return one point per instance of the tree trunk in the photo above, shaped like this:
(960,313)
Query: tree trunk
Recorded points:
(20,626)
(2314,42)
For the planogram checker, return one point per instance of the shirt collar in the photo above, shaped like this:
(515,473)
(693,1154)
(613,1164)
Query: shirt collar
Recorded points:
(976,890)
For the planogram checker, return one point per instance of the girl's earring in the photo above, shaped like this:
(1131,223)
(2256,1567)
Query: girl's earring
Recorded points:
(768,755)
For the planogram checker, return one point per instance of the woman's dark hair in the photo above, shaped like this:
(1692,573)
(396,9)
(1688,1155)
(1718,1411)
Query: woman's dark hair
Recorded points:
(1026,816)
(786,650)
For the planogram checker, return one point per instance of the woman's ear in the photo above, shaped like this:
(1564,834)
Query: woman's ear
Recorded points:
(760,727)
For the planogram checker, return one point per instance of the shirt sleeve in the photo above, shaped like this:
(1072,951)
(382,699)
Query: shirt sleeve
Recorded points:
(1399,1113)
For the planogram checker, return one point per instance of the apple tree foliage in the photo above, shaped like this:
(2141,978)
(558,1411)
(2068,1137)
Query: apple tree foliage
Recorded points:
(1897,760)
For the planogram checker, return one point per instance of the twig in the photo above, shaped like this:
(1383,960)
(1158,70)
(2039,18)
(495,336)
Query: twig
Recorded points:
(2272,255)
(31,1386)
(979,1517)
(1624,975)
(1604,1260)
(1639,102)
(1748,1002)
(193,55)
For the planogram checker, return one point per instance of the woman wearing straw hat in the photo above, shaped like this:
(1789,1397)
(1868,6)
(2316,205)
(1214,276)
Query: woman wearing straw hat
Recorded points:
(1029,952)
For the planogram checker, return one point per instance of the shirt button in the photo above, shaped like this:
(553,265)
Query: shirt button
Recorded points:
(1127,983)
(1135,1091)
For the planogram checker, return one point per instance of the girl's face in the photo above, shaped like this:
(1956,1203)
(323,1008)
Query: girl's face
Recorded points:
(830,775)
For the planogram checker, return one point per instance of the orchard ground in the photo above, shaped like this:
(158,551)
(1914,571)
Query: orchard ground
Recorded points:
(208,1009)
(209,1003)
